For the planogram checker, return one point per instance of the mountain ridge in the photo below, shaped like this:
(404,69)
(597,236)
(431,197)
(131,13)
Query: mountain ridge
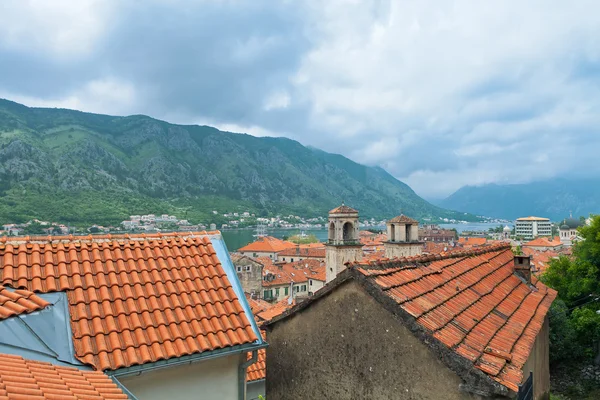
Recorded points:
(553,198)
(105,168)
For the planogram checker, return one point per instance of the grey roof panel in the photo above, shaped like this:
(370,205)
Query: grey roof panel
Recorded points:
(43,335)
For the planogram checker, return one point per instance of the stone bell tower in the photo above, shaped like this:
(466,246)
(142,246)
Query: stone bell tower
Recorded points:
(403,237)
(343,244)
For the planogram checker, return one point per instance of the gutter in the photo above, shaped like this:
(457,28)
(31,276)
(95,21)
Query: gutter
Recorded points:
(129,395)
(242,374)
(184,360)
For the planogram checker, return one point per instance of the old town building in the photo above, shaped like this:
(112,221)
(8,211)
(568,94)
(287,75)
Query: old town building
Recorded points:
(470,324)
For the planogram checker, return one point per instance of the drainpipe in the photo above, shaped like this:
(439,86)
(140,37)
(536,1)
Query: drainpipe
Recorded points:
(242,374)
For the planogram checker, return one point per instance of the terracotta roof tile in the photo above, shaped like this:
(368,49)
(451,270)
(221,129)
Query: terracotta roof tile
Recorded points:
(257,305)
(15,302)
(402,219)
(258,370)
(309,252)
(343,209)
(472,241)
(278,308)
(34,380)
(471,301)
(267,244)
(544,242)
(133,299)
(297,271)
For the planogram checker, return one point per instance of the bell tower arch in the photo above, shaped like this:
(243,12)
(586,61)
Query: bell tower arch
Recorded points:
(343,244)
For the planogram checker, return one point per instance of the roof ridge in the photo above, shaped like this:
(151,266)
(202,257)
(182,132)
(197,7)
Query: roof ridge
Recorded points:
(397,262)
(103,238)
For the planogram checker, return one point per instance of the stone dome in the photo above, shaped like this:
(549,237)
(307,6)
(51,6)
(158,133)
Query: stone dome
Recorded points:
(570,223)
(507,229)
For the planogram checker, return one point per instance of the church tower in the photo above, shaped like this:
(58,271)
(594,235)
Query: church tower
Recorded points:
(343,244)
(403,237)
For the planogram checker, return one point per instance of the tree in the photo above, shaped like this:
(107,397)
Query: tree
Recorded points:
(577,280)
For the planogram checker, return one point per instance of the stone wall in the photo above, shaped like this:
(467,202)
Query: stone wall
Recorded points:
(347,346)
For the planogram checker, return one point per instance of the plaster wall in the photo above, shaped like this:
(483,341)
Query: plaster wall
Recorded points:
(206,380)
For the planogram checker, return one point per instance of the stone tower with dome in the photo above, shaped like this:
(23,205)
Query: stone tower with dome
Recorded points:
(567,230)
(343,244)
(403,237)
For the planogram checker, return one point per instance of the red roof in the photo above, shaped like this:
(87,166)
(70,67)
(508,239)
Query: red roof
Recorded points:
(17,302)
(278,308)
(402,219)
(544,242)
(258,370)
(267,244)
(343,209)
(133,299)
(34,380)
(297,272)
(308,252)
(257,305)
(472,302)
(472,241)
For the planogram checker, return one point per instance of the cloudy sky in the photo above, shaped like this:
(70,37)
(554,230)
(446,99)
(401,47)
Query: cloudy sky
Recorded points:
(440,93)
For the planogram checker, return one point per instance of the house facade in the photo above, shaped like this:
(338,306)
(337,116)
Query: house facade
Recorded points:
(249,272)
(161,315)
(463,325)
(298,279)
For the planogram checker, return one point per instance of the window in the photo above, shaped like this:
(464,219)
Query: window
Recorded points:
(286,291)
(265,294)
(277,292)
(253,254)
(310,282)
(239,269)
(291,260)
(247,268)
(304,288)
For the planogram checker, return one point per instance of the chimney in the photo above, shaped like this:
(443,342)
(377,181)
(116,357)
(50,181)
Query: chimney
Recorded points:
(523,267)
(297,249)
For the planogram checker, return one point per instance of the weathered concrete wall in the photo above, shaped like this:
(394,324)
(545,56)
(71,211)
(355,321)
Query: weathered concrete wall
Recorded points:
(347,346)
(539,364)
(251,279)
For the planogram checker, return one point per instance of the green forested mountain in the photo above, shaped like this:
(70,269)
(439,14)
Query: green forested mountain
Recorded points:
(82,168)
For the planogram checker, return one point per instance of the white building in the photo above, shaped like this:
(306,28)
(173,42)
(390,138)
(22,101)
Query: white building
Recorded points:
(568,230)
(532,227)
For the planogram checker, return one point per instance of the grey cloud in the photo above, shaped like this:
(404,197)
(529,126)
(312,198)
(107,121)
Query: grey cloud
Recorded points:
(439,96)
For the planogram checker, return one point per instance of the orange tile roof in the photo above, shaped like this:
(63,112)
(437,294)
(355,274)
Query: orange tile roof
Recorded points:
(297,272)
(343,209)
(35,380)
(544,242)
(133,299)
(472,241)
(278,308)
(267,244)
(436,247)
(19,302)
(257,305)
(472,302)
(258,370)
(310,252)
(403,219)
